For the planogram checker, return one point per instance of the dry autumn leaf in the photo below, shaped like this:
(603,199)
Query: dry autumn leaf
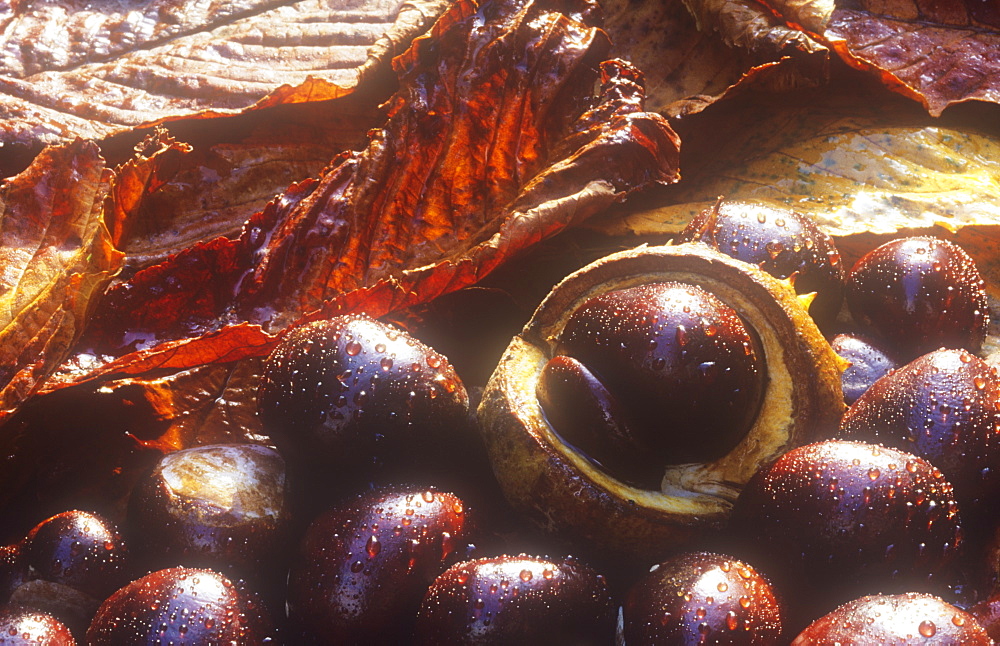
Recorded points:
(422,210)
(56,258)
(91,70)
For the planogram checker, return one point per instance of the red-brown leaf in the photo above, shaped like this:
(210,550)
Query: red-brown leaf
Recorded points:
(493,142)
(939,52)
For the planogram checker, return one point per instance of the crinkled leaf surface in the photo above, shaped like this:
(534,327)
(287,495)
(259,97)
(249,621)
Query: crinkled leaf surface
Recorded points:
(169,195)
(496,140)
(71,68)
(697,51)
(493,143)
(939,52)
(56,257)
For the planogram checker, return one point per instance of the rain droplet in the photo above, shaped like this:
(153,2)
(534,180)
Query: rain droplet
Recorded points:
(526,575)
(353,348)
(927,628)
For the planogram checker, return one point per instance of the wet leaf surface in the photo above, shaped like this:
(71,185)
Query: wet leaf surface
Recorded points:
(939,53)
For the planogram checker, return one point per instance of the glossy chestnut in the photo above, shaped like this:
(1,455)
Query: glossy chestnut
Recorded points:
(782,242)
(181,606)
(362,567)
(702,598)
(918,294)
(516,600)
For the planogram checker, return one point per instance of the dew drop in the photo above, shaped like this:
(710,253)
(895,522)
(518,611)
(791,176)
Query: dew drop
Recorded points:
(526,575)
(927,628)
(373,546)
(353,348)
(732,621)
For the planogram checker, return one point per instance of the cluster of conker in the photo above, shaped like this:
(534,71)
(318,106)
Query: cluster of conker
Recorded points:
(367,520)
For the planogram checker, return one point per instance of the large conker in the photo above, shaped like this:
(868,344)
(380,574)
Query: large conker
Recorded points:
(919,293)
(523,599)
(686,374)
(830,520)
(944,407)
(351,393)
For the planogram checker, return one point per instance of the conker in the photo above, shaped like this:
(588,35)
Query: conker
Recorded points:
(944,407)
(702,598)
(919,293)
(686,374)
(782,242)
(909,618)
(78,549)
(181,606)
(869,362)
(363,567)
(523,599)
(27,627)
(830,520)
(351,393)
(223,506)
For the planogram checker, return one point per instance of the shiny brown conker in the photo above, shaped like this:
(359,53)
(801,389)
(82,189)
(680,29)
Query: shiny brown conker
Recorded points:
(351,393)
(27,627)
(222,506)
(782,242)
(685,372)
(181,606)
(362,567)
(702,598)
(869,362)
(944,407)
(524,600)
(830,520)
(918,294)
(78,549)
(904,619)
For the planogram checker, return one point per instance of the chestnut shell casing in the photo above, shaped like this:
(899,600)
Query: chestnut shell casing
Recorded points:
(565,494)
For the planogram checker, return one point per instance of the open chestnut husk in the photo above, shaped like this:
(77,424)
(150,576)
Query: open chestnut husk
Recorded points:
(569,494)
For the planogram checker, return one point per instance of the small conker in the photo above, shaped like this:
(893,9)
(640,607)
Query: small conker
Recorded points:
(181,606)
(223,506)
(702,598)
(909,618)
(782,242)
(363,566)
(27,627)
